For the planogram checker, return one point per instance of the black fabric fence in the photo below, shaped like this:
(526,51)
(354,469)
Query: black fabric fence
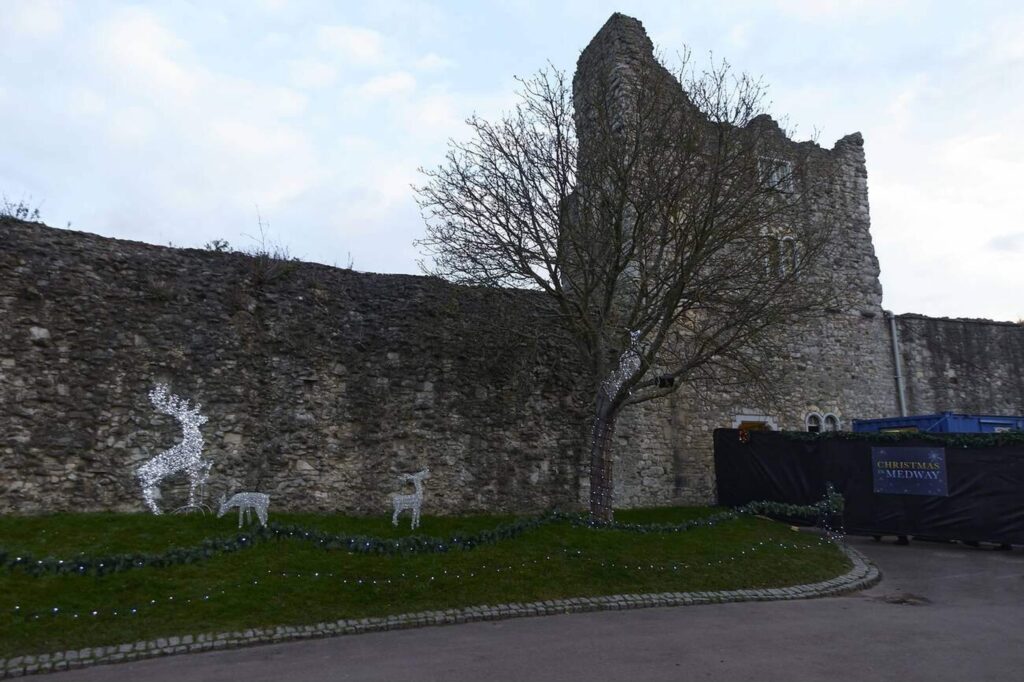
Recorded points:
(985,500)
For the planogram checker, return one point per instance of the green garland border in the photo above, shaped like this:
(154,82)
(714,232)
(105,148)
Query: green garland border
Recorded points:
(830,506)
(957,440)
(209,548)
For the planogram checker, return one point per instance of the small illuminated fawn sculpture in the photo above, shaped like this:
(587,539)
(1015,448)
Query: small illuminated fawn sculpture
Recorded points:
(186,456)
(412,502)
(246,502)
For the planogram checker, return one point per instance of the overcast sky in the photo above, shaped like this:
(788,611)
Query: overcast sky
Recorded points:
(173,121)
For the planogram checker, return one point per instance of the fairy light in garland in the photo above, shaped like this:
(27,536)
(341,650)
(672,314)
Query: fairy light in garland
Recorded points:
(186,456)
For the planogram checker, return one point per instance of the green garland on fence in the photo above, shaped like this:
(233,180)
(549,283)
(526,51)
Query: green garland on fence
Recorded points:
(956,440)
(364,544)
(829,506)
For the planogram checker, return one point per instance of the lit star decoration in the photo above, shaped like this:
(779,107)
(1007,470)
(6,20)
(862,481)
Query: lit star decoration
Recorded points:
(183,457)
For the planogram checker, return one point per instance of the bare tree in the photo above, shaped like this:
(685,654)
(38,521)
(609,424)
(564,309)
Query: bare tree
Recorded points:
(676,231)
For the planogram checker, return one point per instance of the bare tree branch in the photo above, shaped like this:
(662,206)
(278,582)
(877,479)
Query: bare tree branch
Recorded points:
(685,215)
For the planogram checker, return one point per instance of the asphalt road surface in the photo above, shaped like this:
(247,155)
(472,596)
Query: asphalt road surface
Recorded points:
(941,612)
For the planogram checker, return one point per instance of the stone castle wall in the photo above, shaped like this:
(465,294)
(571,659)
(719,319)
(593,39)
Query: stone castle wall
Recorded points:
(321,385)
(968,366)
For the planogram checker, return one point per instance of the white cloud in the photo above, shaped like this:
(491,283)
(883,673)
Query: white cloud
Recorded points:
(240,138)
(84,101)
(997,43)
(277,101)
(440,112)
(275,39)
(312,73)
(352,43)
(1012,243)
(432,62)
(185,143)
(946,225)
(739,35)
(240,159)
(138,50)
(988,147)
(382,187)
(35,18)
(388,85)
(129,126)
(356,144)
(902,105)
(833,10)
(434,116)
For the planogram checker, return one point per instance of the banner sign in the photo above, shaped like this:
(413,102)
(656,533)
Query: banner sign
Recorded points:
(909,471)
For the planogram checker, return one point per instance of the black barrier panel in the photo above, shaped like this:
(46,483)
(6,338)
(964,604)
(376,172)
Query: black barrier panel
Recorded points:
(765,469)
(985,485)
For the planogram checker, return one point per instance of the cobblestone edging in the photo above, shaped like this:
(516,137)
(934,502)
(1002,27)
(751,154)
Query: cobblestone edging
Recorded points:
(864,574)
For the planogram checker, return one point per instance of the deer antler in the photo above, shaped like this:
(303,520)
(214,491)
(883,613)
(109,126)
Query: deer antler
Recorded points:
(165,403)
(158,396)
(174,406)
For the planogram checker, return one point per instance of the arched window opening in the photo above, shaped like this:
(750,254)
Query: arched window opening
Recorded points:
(781,255)
(831,422)
(787,256)
(813,422)
(772,252)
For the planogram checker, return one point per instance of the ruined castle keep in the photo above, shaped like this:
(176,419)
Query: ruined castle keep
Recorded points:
(322,385)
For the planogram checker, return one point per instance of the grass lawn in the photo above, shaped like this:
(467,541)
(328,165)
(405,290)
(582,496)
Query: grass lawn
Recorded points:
(291,582)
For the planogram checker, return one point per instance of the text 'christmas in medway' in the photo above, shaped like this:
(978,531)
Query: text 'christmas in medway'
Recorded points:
(925,470)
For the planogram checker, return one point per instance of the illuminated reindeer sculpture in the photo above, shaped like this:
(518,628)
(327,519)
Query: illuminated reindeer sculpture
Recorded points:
(246,503)
(183,457)
(412,502)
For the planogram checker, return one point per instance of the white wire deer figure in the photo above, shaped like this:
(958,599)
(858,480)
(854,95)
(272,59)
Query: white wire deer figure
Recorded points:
(245,502)
(185,456)
(412,502)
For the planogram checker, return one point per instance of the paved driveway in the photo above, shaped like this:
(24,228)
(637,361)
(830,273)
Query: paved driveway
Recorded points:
(941,612)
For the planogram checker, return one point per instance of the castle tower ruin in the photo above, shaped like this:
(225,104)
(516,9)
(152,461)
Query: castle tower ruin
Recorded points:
(664,447)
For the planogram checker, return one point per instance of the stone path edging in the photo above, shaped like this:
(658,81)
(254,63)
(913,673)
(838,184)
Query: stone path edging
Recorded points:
(864,574)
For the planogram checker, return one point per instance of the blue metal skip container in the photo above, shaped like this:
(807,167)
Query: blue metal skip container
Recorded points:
(943,422)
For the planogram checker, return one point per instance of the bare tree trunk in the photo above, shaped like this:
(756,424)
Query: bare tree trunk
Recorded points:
(602,434)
